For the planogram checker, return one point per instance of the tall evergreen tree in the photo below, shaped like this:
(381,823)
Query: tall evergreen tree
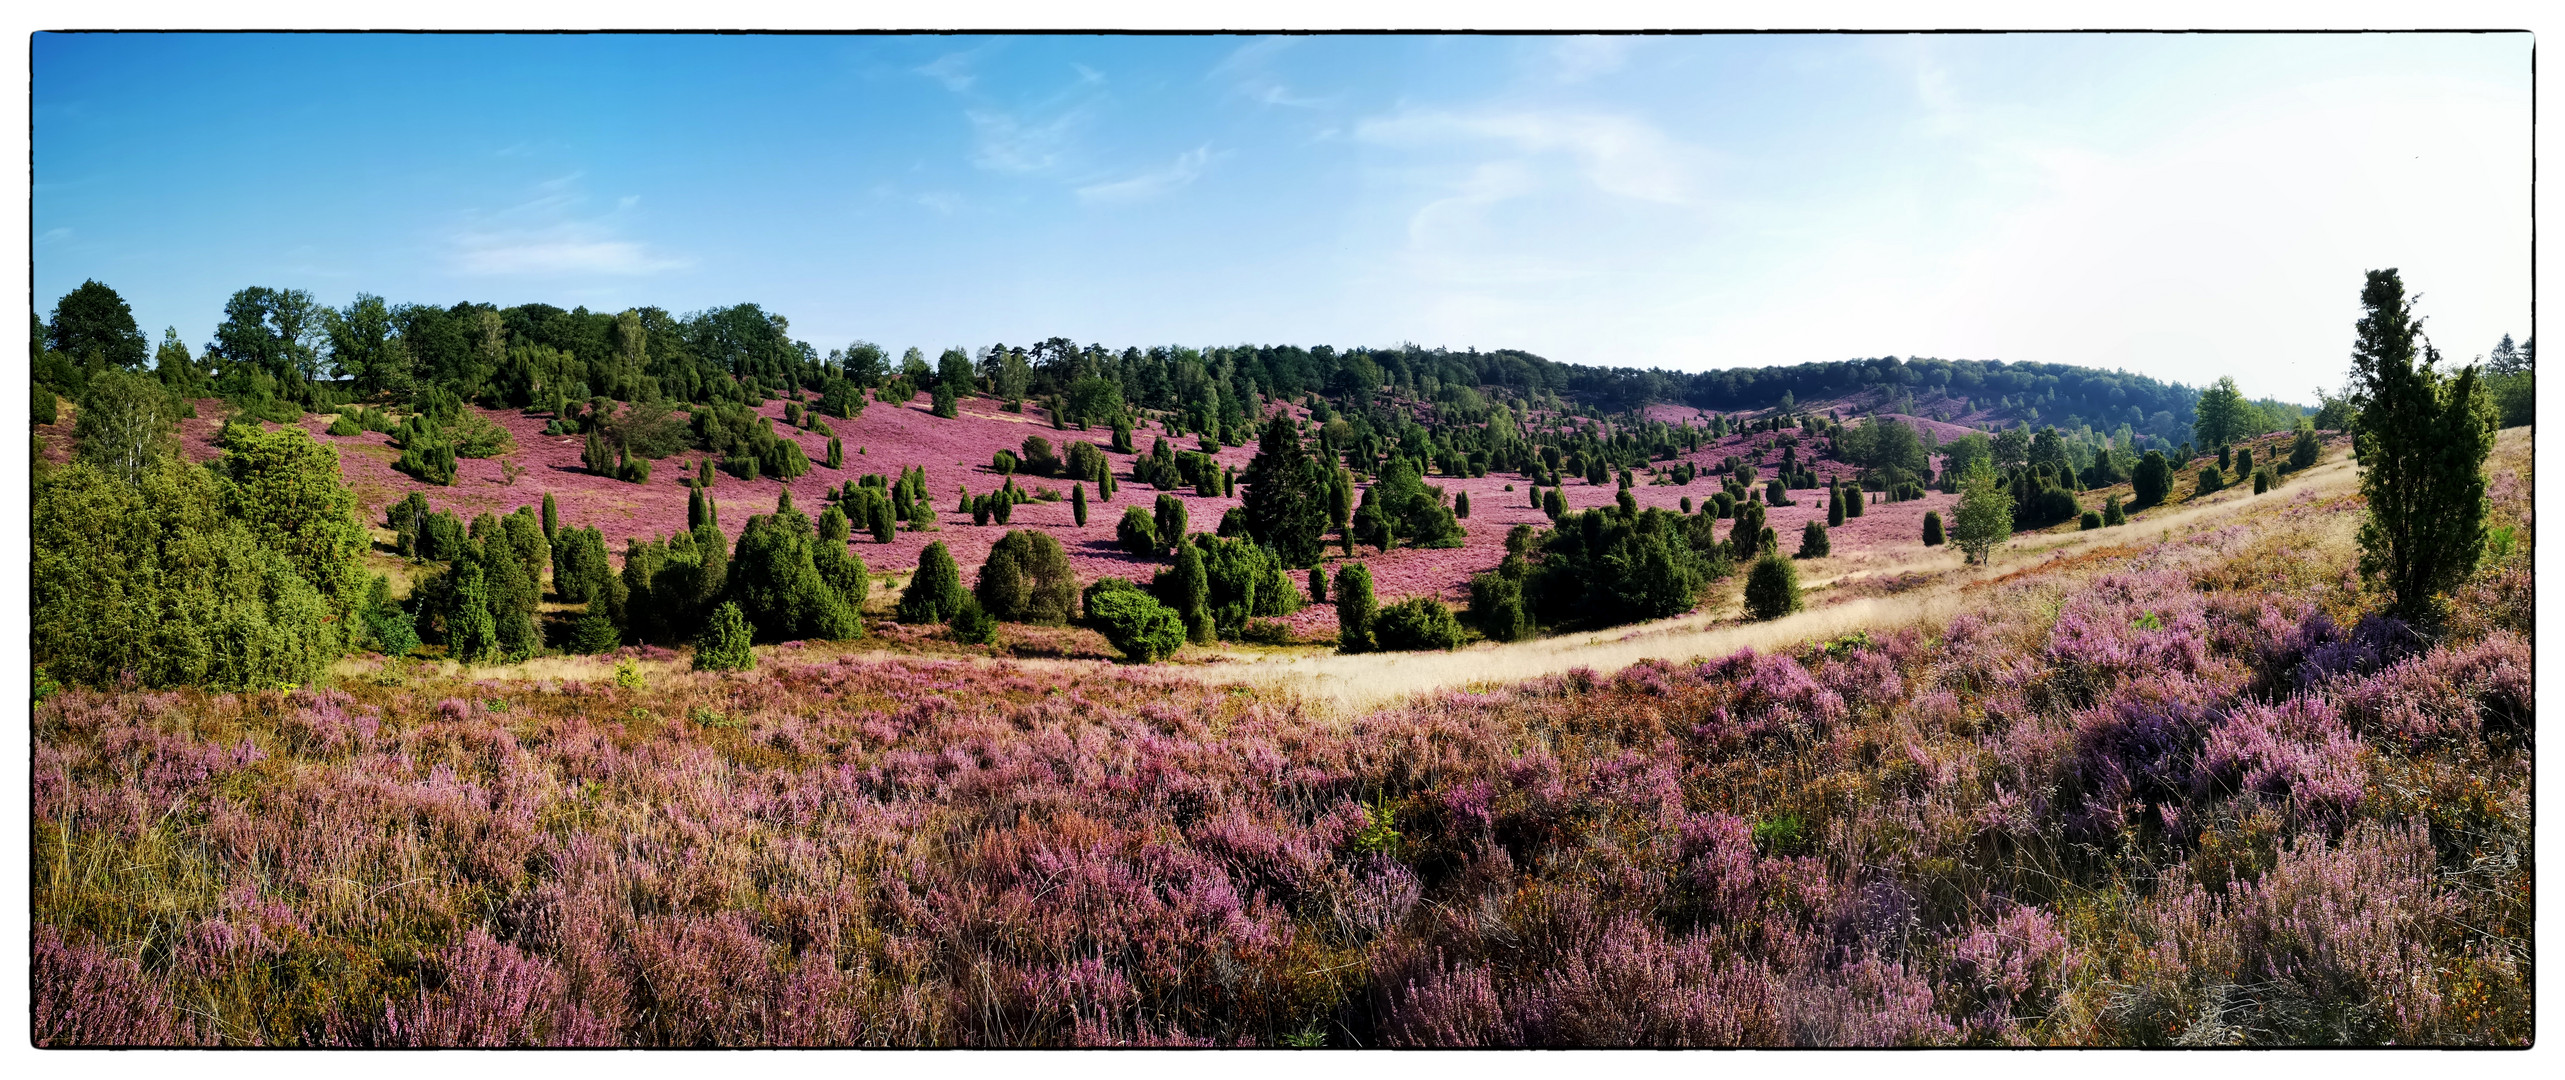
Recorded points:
(1355,607)
(935,592)
(2422,439)
(1285,492)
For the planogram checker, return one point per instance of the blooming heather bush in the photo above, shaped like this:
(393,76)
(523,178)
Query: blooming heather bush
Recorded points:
(2100,808)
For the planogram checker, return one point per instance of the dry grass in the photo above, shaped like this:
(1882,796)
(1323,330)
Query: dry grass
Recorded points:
(1356,682)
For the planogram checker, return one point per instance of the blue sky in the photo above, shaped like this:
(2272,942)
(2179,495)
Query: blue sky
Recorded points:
(2184,206)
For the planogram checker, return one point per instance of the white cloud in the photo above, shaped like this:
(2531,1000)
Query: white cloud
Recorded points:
(1150,185)
(543,237)
(1246,70)
(556,251)
(1621,155)
(953,69)
(1586,56)
(1007,144)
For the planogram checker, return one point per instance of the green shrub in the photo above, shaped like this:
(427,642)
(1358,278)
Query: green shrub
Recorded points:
(973,624)
(935,592)
(47,406)
(1134,622)
(1027,579)
(2113,513)
(2088,520)
(2211,481)
(594,633)
(1354,608)
(723,644)
(1813,543)
(1772,588)
(1417,624)
(1137,532)
(1932,528)
(344,427)
(152,577)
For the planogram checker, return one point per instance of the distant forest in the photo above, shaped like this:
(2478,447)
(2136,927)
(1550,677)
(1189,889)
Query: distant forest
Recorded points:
(279,350)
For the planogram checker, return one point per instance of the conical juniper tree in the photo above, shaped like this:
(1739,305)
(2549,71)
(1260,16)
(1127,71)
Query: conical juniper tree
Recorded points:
(2422,440)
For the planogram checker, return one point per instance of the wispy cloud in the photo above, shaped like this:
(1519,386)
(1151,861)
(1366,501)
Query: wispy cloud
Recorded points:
(1247,71)
(1009,144)
(954,69)
(54,235)
(1621,155)
(1588,55)
(1150,185)
(544,236)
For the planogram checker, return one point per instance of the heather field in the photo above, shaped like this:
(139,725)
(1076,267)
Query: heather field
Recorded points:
(2172,787)
(957,454)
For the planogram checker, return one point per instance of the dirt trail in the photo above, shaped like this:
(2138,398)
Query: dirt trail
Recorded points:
(1360,681)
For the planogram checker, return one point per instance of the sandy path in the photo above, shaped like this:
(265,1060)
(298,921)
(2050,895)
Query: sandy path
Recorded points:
(1359,681)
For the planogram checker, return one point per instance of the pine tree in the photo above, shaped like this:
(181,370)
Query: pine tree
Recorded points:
(1170,521)
(723,644)
(551,517)
(1834,507)
(1283,503)
(1354,608)
(1193,592)
(935,592)
(1813,543)
(1078,503)
(2422,439)
(1772,588)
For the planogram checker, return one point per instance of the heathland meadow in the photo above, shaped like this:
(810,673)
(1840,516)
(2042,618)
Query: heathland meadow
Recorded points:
(1865,719)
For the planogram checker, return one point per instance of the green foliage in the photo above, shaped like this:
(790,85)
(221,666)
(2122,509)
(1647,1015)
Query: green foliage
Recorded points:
(1354,608)
(1497,608)
(723,644)
(127,422)
(386,628)
(93,327)
(2089,520)
(2422,440)
(1983,520)
(1932,528)
(1241,581)
(935,592)
(2212,481)
(1417,624)
(1772,588)
(1813,542)
(2151,481)
(1170,522)
(2223,415)
(286,488)
(973,624)
(343,427)
(2261,480)
(594,633)
(2304,449)
(1135,623)
(777,585)
(2113,513)
(1027,579)
(155,578)
(1605,567)
(1287,492)
(47,408)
